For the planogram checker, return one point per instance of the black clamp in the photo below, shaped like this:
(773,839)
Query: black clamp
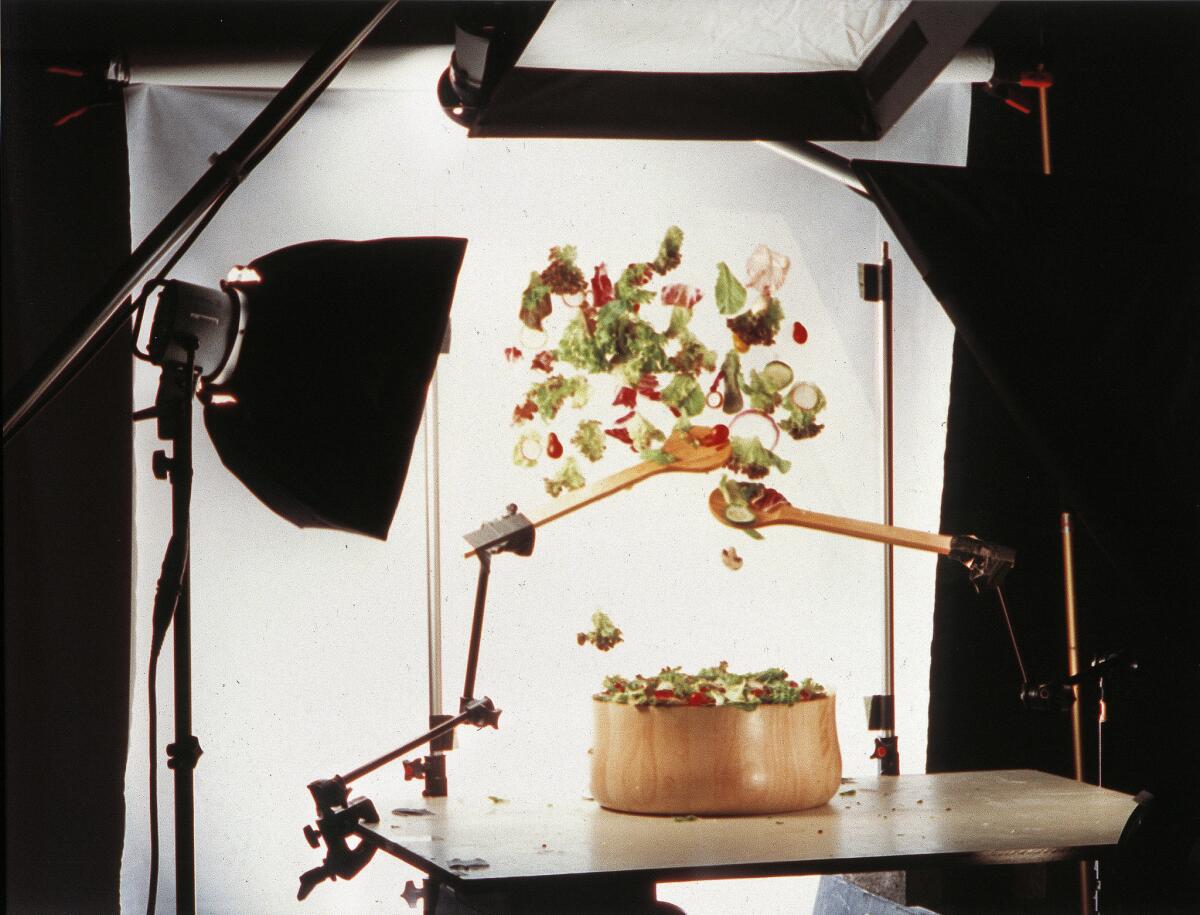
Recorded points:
(511,533)
(337,818)
(986,563)
(186,755)
(887,751)
(480,712)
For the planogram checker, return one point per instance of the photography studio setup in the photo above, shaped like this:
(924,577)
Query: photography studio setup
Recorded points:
(647,456)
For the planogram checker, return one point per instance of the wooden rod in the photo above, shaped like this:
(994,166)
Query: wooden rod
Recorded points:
(864,530)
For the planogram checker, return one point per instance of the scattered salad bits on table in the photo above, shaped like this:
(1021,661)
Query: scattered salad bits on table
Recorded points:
(604,633)
(711,686)
(732,560)
(656,354)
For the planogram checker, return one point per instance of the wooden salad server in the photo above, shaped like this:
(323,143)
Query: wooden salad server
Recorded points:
(685,447)
(834,524)
(986,563)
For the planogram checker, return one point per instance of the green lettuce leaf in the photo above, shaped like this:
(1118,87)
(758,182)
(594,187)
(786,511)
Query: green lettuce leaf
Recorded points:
(669,256)
(749,456)
(569,477)
(551,394)
(589,439)
(657,456)
(685,395)
(577,347)
(535,302)
(731,295)
(758,327)
(644,433)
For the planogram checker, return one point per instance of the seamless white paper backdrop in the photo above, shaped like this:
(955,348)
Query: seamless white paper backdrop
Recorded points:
(309,646)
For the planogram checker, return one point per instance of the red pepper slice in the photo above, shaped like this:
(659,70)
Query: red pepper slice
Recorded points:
(554,448)
(700,699)
(664,694)
(621,435)
(524,411)
(543,361)
(626,417)
(626,397)
(648,387)
(511,353)
(799,333)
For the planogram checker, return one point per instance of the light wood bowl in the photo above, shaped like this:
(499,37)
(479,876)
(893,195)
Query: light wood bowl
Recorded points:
(715,760)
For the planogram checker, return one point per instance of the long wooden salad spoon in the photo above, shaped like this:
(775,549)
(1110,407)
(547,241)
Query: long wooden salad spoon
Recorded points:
(695,450)
(744,516)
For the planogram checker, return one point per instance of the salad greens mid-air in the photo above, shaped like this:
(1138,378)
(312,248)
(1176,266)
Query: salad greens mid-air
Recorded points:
(660,371)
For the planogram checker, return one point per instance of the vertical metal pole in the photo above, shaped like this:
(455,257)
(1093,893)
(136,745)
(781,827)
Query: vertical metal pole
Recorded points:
(183,755)
(889,593)
(1085,906)
(1072,643)
(1044,123)
(433,549)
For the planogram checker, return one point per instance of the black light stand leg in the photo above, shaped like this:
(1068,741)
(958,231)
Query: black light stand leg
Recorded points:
(485,571)
(174,408)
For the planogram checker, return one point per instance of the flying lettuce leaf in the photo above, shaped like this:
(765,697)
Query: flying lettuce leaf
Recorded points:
(685,395)
(589,439)
(751,457)
(731,295)
(569,477)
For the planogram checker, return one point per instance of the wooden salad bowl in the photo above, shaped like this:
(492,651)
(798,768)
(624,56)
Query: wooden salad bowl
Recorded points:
(715,761)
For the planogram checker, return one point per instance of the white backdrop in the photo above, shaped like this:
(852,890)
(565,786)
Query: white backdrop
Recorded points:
(276,609)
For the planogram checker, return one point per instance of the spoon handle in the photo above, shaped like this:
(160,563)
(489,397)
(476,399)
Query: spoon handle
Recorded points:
(866,530)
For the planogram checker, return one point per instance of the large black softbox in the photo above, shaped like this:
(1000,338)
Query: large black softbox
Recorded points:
(341,340)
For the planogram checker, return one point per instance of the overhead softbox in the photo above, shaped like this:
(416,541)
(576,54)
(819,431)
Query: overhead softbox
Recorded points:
(1081,303)
(722,70)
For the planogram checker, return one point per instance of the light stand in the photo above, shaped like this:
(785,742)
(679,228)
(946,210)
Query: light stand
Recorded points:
(875,285)
(337,814)
(172,603)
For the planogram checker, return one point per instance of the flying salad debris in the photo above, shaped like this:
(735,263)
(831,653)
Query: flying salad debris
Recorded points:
(604,633)
(609,327)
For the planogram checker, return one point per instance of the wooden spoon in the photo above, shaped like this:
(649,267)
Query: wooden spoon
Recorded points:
(866,530)
(689,456)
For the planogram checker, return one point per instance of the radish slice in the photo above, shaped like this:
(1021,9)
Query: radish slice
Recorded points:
(573,299)
(805,396)
(531,447)
(755,423)
(715,399)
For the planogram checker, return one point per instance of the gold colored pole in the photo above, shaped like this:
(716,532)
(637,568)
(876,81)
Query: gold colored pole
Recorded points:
(1044,117)
(1072,643)
(1085,907)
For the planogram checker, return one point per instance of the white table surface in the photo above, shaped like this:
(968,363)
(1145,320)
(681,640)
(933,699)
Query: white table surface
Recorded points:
(886,823)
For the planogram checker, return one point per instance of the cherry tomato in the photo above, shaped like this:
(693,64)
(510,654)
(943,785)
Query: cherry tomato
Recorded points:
(718,435)
(554,448)
(799,333)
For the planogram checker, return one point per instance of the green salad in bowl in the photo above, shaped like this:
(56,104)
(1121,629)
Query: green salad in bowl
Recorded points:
(711,686)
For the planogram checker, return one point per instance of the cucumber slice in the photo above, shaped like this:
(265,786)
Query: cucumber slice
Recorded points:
(739,514)
(806,396)
(777,374)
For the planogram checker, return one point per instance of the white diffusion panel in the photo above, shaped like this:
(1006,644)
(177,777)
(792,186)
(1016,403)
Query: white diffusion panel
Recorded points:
(310,646)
